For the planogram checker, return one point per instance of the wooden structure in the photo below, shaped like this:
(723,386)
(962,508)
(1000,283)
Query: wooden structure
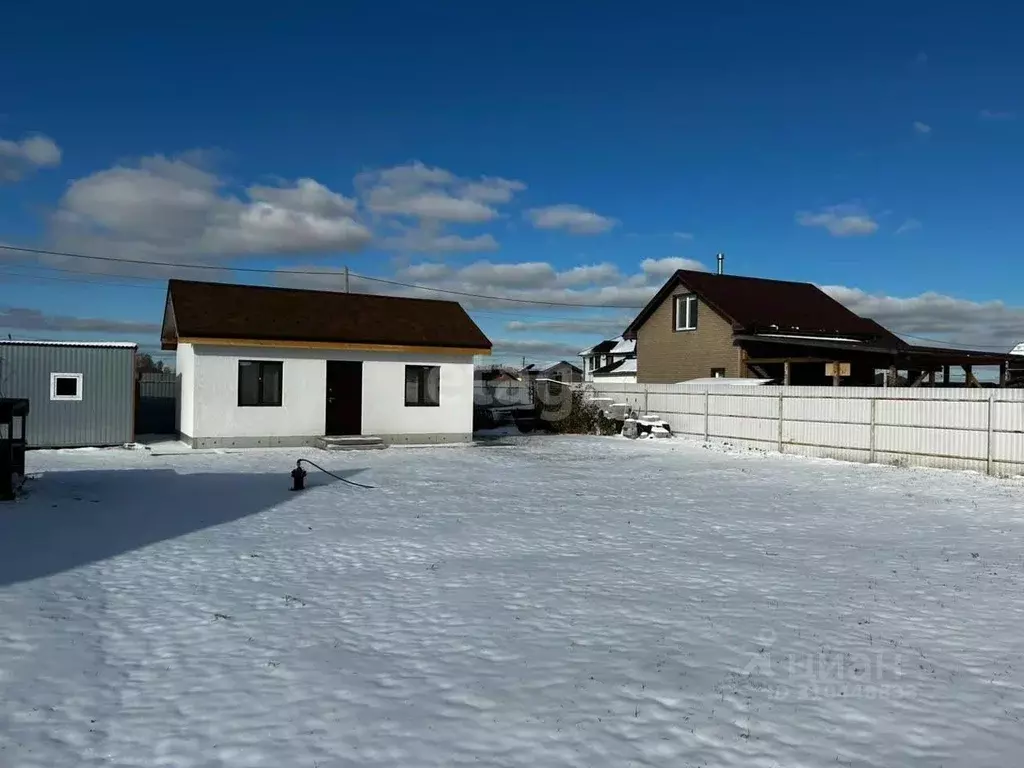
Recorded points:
(13,415)
(849,363)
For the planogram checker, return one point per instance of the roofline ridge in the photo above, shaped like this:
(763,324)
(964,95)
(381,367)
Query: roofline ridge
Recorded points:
(285,288)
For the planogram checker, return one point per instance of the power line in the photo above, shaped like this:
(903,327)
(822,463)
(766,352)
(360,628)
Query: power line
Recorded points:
(947,343)
(257,270)
(317,273)
(81,282)
(25,276)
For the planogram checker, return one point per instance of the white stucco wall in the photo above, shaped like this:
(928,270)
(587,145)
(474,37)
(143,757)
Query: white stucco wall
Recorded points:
(303,395)
(184,365)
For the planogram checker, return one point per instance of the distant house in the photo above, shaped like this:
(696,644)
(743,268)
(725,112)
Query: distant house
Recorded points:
(1016,365)
(81,393)
(596,356)
(265,366)
(702,325)
(610,360)
(562,371)
(548,382)
(498,386)
(621,372)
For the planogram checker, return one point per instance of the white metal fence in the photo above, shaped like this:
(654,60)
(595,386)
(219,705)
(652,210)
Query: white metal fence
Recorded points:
(979,429)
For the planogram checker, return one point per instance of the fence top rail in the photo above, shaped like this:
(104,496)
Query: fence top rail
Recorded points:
(824,393)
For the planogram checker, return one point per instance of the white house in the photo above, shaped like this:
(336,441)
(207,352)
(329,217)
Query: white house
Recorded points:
(619,372)
(262,366)
(611,360)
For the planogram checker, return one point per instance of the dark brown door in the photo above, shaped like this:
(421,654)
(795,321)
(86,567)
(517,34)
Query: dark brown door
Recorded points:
(344,398)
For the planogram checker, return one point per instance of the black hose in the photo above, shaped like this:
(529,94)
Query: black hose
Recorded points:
(337,477)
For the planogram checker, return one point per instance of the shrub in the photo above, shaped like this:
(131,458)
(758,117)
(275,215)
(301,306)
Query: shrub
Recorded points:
(566,413)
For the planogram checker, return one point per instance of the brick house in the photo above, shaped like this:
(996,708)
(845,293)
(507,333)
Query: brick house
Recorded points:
(701,324)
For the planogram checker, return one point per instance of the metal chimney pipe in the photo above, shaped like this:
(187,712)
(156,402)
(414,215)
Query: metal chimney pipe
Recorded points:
(721,263)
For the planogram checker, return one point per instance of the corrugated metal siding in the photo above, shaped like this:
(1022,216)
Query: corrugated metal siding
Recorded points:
(104,415)
(980,429)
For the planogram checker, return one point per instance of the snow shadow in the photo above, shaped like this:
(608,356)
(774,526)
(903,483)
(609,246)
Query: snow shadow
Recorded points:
(70,519)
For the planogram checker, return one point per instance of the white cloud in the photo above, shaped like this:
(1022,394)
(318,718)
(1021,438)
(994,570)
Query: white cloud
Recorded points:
(909,225)
(422,201)
(19,159)
(592,274)
(597,285)
(411,174)
(659,270)
(427,271)
(995,115)
(683,235)
(307,195)
(572,218)
(840,220)
(424,193)
(425,241)
(922,128)
(438,206)
(174,210)
(492,190)
(536,348)
(601,285)
(521,275)
(605,327)
(987,325)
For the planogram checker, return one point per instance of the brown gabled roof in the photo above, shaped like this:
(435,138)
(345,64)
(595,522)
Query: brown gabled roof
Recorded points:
(251,312)
(754,304)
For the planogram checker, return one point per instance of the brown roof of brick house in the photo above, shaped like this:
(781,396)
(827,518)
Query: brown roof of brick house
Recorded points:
(249,312)
(759,305)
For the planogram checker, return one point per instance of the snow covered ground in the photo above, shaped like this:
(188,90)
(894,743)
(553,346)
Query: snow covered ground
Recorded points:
(560,602)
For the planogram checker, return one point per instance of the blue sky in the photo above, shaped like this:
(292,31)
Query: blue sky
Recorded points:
(869,148)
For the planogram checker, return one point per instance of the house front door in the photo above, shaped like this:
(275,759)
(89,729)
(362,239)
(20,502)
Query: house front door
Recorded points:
(344,406)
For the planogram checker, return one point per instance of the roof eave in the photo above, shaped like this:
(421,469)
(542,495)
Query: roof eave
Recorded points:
(223,341)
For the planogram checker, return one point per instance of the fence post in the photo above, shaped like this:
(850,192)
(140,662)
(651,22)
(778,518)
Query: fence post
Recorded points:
(782,393)
(646,392)
(988,451)
(871,431)
(707,431)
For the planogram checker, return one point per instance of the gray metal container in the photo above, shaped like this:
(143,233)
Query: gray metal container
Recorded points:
(102,410)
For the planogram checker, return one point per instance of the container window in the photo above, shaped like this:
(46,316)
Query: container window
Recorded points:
(65,386)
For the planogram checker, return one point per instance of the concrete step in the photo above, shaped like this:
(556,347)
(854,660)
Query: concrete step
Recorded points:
(351,443)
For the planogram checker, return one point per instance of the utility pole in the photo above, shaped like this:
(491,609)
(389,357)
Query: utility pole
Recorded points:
(346,279)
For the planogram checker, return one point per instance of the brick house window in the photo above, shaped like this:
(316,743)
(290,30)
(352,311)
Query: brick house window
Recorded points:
(685,313)
(718,373)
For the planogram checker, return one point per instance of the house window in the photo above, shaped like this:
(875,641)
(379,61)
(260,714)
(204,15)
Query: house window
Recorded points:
(686,312)
(718,373)
(422,385)
(65,386)
(259,382)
